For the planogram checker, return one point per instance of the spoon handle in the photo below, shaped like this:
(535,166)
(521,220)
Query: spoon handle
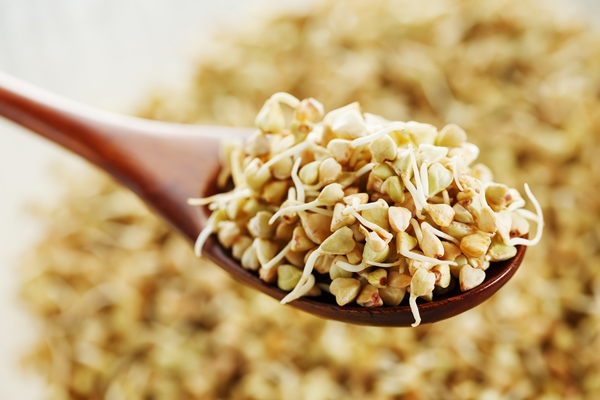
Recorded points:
(80,128)
(163,163)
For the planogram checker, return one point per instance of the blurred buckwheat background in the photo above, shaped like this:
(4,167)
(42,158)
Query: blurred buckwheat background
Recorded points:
(99,300)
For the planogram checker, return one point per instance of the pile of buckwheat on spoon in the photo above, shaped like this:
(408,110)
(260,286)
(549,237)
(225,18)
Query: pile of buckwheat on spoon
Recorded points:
(374,208)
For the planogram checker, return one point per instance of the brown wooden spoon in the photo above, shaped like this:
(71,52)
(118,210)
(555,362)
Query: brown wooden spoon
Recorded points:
(165,164)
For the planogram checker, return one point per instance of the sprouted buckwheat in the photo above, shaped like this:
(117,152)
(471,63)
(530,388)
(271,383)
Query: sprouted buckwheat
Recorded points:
(385,208)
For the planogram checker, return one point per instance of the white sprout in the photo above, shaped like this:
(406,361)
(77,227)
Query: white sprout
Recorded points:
(292,194)
(539,219)
(446,197)
(313,205)
(421,257)
(412,301)
(357,174)
(201,240)
(424,180)
(516,205)
(237,173)
(416,193)
(225,153)
(298,291)
(297,182)
(292,151)
(417,229)
(418,181)
(419,204)
(385,265)
(396,126)
(368,206)
(455,173)
(350,267)
(285,98)
(368,224)
(220,197)
(437,232)
(279,257)
(527,214)
(302,290)
(300,207)
(363,170)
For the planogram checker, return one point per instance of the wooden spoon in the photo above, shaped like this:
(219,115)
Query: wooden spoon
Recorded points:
(165,164)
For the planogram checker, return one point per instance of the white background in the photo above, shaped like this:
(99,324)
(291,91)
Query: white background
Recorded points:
(107,53)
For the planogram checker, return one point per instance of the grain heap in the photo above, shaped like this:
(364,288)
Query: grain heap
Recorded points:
(127,311)
(363,208)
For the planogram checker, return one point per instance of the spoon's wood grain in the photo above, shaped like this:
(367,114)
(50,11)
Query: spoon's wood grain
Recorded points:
(165,164)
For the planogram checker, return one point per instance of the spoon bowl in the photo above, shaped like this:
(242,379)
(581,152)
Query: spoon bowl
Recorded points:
(167,163)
